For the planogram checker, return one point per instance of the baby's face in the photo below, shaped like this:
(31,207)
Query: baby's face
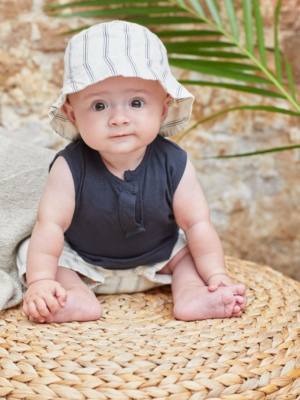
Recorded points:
(118,115)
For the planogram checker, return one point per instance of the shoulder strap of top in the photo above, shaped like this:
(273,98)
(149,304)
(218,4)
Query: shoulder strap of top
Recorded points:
(176,160)
(74,155)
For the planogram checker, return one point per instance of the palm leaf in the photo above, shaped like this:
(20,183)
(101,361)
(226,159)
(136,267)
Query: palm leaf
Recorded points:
(247,14)
(209,53)
(181,2)
(184,33)
(290,77)
(214,10)
(197,7)
(93,3)
(120,11)
(277,50)
(233,66)
(239,88)
(289,72)
(195,65)
(232,18)
(260,33)
(256,153)
(196,45)
(169,20)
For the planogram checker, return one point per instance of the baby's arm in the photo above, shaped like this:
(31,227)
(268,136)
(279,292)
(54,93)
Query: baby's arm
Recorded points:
(192,216)
(44,295)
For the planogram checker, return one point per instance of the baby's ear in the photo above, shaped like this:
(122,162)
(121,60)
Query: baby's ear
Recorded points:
(166,107)
(67,109)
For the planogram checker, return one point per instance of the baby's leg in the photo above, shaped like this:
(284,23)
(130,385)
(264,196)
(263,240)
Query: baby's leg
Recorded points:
(81,304)
(192,299)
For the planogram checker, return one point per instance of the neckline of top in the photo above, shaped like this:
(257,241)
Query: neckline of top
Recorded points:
(129,175)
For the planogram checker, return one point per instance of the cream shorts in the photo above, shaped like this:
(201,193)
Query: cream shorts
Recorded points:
(105,281)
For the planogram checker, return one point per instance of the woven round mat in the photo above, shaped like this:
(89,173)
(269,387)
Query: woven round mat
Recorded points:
(139,351)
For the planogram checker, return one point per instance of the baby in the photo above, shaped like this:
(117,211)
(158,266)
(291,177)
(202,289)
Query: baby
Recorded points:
(122,210)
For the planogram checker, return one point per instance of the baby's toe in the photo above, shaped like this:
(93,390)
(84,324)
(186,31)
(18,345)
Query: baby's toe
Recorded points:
(228,298)
(239,299)
(240,289)
(236,312)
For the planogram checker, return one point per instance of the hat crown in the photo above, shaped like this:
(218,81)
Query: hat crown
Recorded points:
(114,48)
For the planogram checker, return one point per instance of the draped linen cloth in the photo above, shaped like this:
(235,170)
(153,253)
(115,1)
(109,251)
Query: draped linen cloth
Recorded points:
(23,173)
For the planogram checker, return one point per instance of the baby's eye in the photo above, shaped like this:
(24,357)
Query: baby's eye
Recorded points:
(99,106)
(137,103)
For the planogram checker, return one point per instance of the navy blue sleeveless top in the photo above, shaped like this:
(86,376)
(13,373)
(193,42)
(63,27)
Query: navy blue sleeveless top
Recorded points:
(122,224)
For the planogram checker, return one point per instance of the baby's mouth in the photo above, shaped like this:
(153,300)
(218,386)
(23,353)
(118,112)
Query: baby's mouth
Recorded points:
(120,135)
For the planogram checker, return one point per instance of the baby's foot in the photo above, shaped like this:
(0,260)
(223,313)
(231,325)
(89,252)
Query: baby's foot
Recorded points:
(81,305)
(197,303)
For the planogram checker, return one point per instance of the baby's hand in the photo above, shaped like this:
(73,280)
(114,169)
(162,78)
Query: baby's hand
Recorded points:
(218,280)
(44,298)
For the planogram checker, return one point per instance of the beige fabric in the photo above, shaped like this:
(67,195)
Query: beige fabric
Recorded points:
(23,173)
(105,281)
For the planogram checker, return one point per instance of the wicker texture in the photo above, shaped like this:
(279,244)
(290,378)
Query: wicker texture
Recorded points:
(139,351)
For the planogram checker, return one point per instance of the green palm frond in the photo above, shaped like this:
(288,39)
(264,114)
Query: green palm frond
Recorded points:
(290,77)
(277,50)
(260,33)
(247,16)
(255,153)
(95,3)
(214,10)
(211,51)
(232,18)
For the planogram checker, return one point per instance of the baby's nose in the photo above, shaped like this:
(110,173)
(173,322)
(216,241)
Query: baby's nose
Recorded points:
(119,117)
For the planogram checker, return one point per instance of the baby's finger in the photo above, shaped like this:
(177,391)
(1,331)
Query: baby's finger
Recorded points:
(42,307)
(61,295)
(25,308)
(52,304)
(213,287)
(32,311)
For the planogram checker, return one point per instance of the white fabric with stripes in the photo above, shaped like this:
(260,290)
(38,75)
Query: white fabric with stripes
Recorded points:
(119,48)
(105,281)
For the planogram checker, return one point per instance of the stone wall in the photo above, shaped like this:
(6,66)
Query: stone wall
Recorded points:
(254,201)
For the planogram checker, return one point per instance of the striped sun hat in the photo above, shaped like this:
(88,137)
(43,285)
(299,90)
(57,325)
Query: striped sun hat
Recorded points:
(119,48)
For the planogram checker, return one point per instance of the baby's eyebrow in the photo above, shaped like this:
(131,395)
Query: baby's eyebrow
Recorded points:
(138,91)
(107,93)
(96,94)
